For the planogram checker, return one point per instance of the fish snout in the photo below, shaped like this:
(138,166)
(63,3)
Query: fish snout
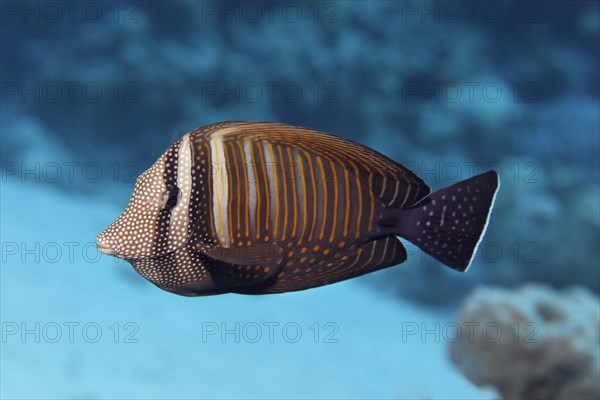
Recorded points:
(105,246)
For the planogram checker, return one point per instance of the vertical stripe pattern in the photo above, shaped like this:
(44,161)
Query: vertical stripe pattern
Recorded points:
(220,189)
(265,192)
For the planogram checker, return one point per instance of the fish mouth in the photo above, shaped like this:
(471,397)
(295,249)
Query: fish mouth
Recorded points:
(105,248)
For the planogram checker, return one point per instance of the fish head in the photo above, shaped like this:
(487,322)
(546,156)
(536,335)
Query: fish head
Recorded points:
(156,220)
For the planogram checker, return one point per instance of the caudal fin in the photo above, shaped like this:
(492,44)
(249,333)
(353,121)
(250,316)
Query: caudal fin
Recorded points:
(449,223)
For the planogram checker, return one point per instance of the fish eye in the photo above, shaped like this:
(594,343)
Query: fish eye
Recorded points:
(170,198)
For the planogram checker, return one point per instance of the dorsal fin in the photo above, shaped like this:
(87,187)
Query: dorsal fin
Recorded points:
(394,184)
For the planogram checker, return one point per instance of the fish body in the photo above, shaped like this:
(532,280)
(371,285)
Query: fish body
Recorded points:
(259,207)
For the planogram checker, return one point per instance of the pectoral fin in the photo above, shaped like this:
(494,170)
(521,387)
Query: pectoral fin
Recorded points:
(267,254)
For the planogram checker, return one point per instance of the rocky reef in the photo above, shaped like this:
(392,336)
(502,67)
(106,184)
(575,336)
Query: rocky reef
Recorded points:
(531,343)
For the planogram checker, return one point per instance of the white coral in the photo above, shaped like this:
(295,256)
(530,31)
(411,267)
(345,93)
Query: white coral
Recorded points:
(531,343)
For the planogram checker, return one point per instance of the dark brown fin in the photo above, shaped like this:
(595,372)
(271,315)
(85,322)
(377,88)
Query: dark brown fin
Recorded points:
(231,268)
(449,224)
(267,254)
(395,185)
(229,277)
(372,256)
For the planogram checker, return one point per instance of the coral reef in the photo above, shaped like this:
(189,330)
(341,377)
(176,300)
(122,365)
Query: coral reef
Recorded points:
(531,343)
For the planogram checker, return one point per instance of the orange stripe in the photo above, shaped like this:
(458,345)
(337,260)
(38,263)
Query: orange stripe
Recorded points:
(304,198)
(265,179)
(294,194)
(381,173)
(276,204)
(285,203)
(324,177)
(230,198)
(358,254)
(336,197)
(314,187)
(335,201)
(360,201)
(257,190)
(347,211)
(215,143)
(370,186)
(244,166)
(374,246)
(371,195)
(383,187)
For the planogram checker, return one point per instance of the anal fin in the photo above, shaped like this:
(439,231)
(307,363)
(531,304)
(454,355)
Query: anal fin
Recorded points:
(372,256)
(236,268)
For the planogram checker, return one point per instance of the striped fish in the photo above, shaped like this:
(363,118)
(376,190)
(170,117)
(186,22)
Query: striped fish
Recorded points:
(259,207)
